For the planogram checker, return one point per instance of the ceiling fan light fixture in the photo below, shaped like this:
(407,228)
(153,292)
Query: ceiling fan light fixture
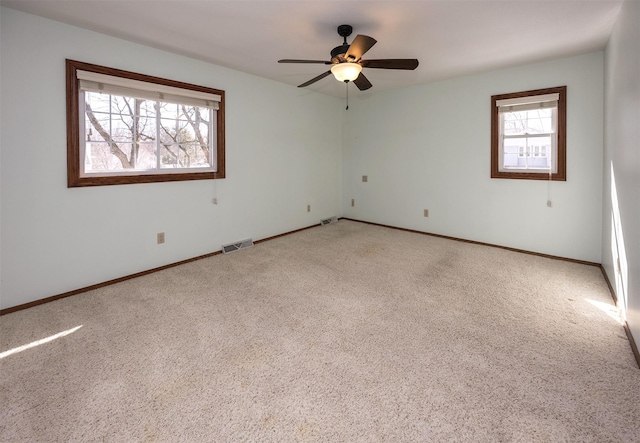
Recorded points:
(346,72)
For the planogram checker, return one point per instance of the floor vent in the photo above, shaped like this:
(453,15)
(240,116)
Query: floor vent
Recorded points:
(329,221)
(232,247)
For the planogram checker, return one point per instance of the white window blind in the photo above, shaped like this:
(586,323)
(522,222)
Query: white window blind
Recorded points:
(528,103)
(109,84)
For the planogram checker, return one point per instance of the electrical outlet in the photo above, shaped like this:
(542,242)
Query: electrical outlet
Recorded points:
(353,202)
(308,208)
(215,200)
(426,213)
(365,178)
(160,238)
(549,203)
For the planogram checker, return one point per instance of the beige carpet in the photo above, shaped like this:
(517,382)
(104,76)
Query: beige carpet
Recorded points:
(343,333)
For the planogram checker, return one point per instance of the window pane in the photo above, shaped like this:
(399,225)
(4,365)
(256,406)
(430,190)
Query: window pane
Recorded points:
(146,129)
(103,156)
(122,105)
(515,153)
(171,127)
(93,132)
(184,155)
(98,102)
(536,145)
(97,156)
(539,121)
(514,123)
(147,156)
(121,158)
(169,110)
(147,108)
(169,156)
(126,122)
(204,132)
(121,128)
(199,156)
(527,153)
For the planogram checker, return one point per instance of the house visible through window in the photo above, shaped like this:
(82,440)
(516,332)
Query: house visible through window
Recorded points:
(130,128)
(529,135)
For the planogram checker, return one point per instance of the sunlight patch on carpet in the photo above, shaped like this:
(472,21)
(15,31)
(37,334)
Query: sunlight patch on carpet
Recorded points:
(609,309)
(42,341)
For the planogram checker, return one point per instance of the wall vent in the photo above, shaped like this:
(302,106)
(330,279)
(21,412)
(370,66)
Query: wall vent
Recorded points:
(329,221)
(232,247)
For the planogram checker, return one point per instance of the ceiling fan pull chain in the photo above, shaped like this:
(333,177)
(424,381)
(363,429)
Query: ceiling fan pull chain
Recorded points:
(347,86)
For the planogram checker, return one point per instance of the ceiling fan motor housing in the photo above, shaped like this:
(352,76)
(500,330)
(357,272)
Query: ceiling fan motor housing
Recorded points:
(337,53)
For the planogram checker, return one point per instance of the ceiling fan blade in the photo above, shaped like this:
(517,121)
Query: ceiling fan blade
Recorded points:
(287,60)
(315,79)
(362,82)
(391,63)
(359,45)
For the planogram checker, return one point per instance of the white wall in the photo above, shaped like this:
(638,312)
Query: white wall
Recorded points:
(282,149)
(621,215)
(428,147)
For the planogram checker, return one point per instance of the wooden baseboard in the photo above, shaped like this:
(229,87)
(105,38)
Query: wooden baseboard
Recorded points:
(522,251)
(129,277)
(632,342)
(627,330)
(606,279)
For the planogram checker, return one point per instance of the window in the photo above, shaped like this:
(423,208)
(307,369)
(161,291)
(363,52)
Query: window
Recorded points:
(528,135)
(124,128)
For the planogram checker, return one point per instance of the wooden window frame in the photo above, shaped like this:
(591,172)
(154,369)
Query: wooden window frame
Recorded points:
(74,177)
(561,173)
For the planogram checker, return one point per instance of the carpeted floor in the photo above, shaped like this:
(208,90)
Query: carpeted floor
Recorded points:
(343,333)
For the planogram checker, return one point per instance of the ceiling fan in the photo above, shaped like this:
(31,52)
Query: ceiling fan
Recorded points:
(347,63)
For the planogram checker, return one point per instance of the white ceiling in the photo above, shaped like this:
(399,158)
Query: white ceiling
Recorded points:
(449,38)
